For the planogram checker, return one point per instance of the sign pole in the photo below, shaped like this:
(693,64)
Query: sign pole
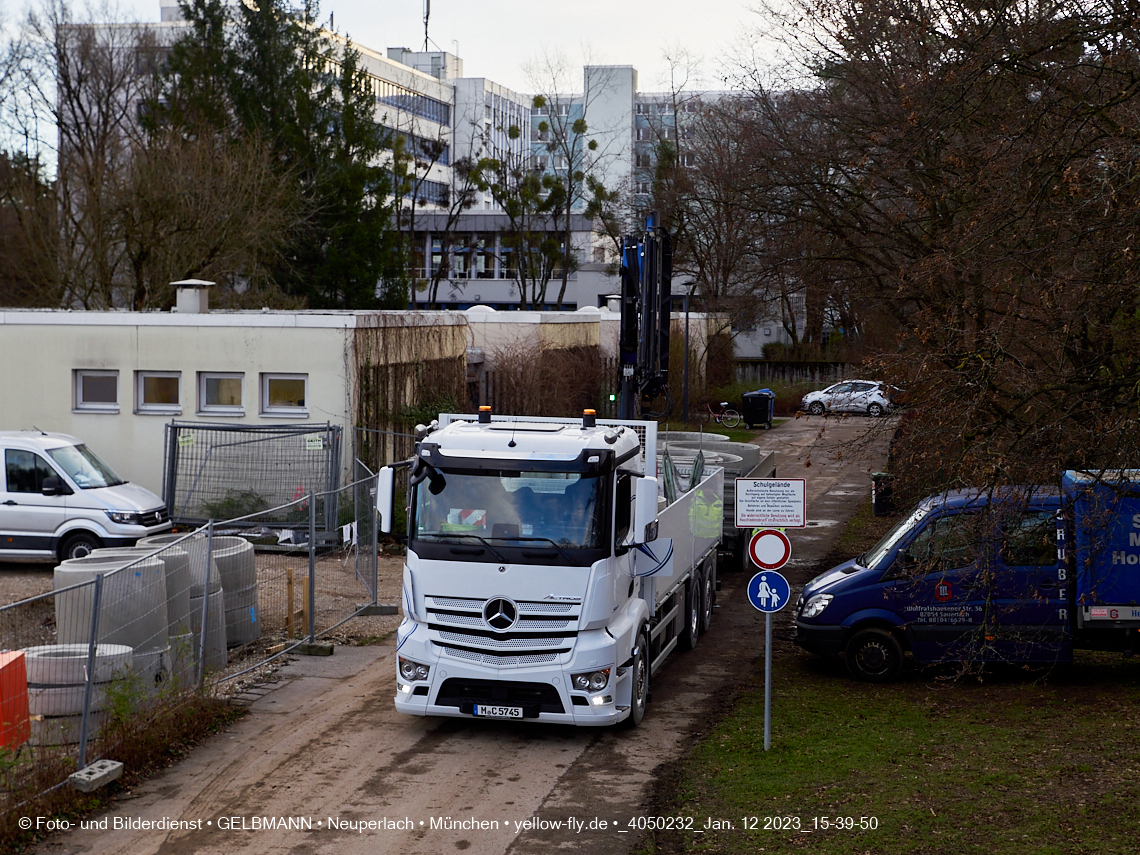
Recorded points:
(767,680)
(769,591)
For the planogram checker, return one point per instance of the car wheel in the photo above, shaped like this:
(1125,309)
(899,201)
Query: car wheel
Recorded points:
(875,410)
(639,696)
(78,545)
(874,656)
(692,630)
(816,408)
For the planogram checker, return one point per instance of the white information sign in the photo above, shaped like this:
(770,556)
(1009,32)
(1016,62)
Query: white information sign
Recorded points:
(771,503)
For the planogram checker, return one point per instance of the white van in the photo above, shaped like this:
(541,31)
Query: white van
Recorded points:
(58,500)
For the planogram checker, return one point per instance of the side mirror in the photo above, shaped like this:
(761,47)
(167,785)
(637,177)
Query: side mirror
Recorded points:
(384,482)
(53,486)
(645,510)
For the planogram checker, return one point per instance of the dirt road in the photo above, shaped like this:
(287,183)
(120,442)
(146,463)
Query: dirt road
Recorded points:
(323,751)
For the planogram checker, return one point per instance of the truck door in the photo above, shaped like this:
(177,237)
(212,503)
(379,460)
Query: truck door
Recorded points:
(1029,619)
(939,591)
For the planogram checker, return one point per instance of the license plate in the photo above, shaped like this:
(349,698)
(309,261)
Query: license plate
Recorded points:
(488,711)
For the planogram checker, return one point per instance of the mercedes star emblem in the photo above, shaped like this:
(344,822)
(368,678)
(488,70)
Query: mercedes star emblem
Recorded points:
(500,614)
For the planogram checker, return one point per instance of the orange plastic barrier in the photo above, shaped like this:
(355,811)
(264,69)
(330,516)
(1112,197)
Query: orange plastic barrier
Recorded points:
(14,723)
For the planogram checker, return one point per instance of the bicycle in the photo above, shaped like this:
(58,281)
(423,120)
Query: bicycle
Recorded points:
(726,416)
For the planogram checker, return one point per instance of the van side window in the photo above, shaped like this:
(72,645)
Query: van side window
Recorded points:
(1030,540)
(947,543)
(25,471)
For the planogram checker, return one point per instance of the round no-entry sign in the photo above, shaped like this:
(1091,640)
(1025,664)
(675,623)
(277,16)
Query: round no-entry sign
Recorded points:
(769,549)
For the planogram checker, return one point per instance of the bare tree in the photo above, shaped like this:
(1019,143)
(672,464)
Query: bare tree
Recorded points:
(969,173)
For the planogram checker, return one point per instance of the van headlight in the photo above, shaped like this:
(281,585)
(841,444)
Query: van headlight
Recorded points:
(410,670)
(814,606)
(124,517)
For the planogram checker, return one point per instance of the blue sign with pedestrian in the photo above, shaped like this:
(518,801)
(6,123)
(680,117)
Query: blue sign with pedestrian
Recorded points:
(768,591)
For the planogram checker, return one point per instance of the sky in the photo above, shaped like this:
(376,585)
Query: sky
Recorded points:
(496,39)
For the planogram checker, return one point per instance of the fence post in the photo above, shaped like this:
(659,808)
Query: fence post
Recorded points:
(88,687)
(312,565)
(205,606)
(375,537)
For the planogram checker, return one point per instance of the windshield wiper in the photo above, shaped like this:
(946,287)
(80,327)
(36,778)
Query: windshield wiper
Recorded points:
(541,539)
(448,535)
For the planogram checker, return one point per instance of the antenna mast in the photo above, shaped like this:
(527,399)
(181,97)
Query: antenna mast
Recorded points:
(427,14)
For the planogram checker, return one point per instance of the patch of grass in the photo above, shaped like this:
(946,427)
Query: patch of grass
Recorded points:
(1019,760)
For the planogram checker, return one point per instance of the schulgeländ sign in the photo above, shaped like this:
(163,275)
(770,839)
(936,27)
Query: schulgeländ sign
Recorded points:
(771,503)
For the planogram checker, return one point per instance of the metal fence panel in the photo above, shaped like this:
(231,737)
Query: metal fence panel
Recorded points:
(227,471)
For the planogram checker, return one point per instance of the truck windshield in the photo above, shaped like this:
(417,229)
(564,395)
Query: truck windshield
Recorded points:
(563,509)
(874,556)
(84,467)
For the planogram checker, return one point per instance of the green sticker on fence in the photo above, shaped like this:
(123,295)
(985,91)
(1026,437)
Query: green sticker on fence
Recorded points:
(185,440)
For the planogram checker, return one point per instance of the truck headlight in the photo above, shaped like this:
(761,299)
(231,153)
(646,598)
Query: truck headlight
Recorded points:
(410,670)
(591,681)
(124,517)
(814,606)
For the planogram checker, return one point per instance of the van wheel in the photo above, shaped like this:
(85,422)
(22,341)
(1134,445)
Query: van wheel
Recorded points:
(873,656)
(639,695)
(78,545)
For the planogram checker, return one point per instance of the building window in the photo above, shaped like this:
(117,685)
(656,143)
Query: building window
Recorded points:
(158,392)
(97,391)
(284,394)
(221,394)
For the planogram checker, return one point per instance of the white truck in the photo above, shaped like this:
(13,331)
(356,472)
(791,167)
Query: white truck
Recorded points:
(546,577)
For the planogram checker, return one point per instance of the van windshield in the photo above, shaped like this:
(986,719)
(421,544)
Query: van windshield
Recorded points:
(879,551)
(84,467)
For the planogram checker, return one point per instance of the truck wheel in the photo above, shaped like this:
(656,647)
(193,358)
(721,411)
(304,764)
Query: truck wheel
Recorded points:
(639,696)
(873,656)
(708,595)
(78,545)
(693,612)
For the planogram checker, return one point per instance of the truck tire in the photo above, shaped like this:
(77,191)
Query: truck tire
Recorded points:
(708,594)
(694,608)
(639,693)
(873,655)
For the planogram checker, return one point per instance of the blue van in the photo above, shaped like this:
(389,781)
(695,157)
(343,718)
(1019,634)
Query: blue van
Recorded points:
(1009,575)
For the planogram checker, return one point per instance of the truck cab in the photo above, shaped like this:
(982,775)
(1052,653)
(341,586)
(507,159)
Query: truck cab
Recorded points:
(965,576)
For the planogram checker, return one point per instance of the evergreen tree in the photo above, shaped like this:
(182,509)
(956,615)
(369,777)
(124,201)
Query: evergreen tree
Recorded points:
(270,73)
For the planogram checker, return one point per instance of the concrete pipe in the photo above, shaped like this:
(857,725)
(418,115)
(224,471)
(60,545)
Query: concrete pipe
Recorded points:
(177,563)
(133,605)
(215,656)
(235,559)
(195,546)
(243,618)
(67,663)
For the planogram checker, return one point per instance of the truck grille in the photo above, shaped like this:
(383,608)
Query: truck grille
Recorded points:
(542,631)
